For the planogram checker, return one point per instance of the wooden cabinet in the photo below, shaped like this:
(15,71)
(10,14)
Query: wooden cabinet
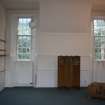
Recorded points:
(69,71)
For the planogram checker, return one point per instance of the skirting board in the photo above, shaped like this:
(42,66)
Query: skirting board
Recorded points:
(14,84)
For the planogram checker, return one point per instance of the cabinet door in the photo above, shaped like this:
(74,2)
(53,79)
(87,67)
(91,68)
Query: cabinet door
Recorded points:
(61,70)
(68,71)
(76,71)
(64,71)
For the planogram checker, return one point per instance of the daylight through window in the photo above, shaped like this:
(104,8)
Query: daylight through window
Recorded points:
(99,37)
(24,39)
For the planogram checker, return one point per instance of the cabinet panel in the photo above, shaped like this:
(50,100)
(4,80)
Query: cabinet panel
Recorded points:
(61,71)
(76,76)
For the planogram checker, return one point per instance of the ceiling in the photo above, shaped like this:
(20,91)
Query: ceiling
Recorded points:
(34,4)
(21,4)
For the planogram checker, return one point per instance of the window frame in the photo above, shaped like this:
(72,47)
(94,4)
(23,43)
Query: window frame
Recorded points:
(94,42)
(17,59)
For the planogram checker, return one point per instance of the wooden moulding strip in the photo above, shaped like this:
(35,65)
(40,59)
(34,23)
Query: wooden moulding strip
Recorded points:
(2,71)
(3,55)
(2,50)
(2,40)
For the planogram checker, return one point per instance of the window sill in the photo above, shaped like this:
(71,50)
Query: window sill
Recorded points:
(100,60)
(23,60)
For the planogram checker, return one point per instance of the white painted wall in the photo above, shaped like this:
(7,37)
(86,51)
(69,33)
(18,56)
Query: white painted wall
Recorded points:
(65,16)
(52,45)
(64,30)
(2,45)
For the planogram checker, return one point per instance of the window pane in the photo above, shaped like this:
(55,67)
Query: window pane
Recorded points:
(24,26)
(104,53)
(28,50)
(20,56)
(103,42)
(24,56)
(24,41)
(98,54)
(20,50)
(97,41)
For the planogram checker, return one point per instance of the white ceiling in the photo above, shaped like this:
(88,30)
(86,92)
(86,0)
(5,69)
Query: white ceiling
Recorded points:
(21,4)
(34,4)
